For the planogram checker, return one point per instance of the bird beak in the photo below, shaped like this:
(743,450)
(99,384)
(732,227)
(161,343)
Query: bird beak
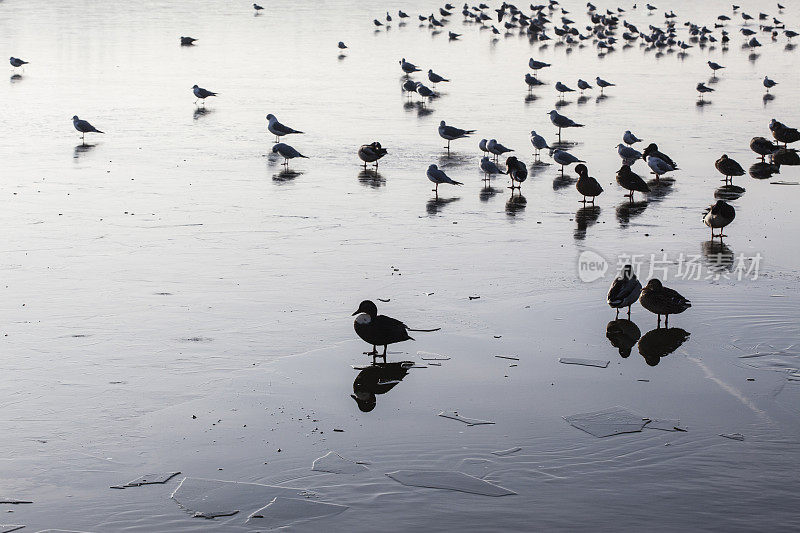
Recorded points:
(354,314)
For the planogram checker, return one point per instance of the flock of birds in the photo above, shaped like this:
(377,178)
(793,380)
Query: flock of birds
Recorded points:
(546,22)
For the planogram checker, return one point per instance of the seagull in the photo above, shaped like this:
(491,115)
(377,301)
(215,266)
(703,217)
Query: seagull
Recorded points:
(728,168)
(257,7)
(763,147)
(489,168)
(84,127)
(582,85)
(278,129)
(539,143)
(438,176)
(658,166)
(718,216)
(628,154)
(201,93)
(537,65)
(424,91)
(482,146)
(370,153)
(517,170)
(410,86)
(496,148)
(560,121)
(702,89)
(561,88)
(587,185)
(342,46)
(603,83)
(435,78)
(662,301)
(715,67)
(768,83)
(624,290)
(451,133)
(532,81)
(380,330)
(453,36)
(16,62)
(187,41)
(629,138)
(407,67)
(629,180)
(753,43)
(287,152)
(377,23)
(564,158)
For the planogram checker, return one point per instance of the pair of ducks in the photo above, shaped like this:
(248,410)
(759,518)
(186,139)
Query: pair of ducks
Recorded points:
(654,297)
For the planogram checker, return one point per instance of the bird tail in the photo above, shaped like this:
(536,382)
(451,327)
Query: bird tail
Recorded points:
(470,131)
(297,131)
(303,156)
(98,131)
(577,125)
(454,182)
(424,330)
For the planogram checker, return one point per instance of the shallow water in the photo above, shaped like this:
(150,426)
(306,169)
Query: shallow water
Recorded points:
(163,270)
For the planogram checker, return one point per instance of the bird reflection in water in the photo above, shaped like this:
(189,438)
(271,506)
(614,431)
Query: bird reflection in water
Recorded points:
(434,205)
(583,99)
(660,342)
(487,192)
(201,112)
(378,378)
(718,256)
(628,210)
(585,217)
(371,178)
(531,98)
(562,181)
(15,78)
(81,149)
(763,171)
(660,188)
(515,204)
(286,175)
(767,98)
(729,192)
(623,335)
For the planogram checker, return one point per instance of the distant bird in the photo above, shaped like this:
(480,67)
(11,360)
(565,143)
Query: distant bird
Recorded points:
(451,133)
(402,15)
(587,185)
(763,147)
(702,89)
(632,182)
(257,7)
(628,154)
(342,46)
(629,138)
(658,166)
(785,156)
(783,133)
(583,86)
(438,176)
(532,81)
(539,143)
(371,153)
(652,149)
(379,330)
(661,300)
(377,23)
(603,83)
(201,93)
(715,67)
(187,41)
(84,127)
(537,65)
(453,36)
(496,148)
(561,88)
(728,168)
(388,17)
(278,129)
(564,158)
(560,121)
(624,290)
(410,86)
(489,168)
(482,146)
(16,62)
(407,67)
(435,78)
(718,216)
(517,170)
(287,152)
(768,83)
(424,91)
(753,43)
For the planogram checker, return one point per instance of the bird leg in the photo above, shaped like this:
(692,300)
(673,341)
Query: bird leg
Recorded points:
(666,321)
(658,325)
(629,311)
(615,318)
(374,351)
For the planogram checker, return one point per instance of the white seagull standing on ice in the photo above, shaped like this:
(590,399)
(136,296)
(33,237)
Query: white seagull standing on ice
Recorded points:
(451,133)
(438,176)
(278,129)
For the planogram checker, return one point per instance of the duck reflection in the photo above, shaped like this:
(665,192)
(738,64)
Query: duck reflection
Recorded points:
(718,255)
(729,192)
(378,378)
(81,149)
(628,210)
(286,175)
(660,342)
(763,171)
(371,178)
(434,205)
(515,204)
(487,192)
(623,334)
(585,217)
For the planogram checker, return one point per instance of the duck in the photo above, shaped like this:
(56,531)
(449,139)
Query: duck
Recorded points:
(763,146)
(728,168)
(718,216)
(517,170)
(623,335)
(378,378)
(624,290)
(380,330)
(652,149)
(783,133)
(661,300)
(587,185)
(631,181)
(371,153)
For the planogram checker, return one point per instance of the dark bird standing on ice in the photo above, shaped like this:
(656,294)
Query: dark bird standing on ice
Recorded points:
(380,330)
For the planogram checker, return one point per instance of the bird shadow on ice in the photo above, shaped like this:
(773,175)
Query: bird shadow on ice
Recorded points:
(585,217)
(628,210)
(81,149)
(286,175)
(660,342)
(623,334)
(515,204)
(371,178)
(435,205)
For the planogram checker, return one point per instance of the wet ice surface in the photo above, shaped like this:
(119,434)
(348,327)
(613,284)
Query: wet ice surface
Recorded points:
(453,415)
(457,481)
(584,362)
(336,464)
(148,479)
(145,275)
(211,498)
(607,422)
(282,512)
